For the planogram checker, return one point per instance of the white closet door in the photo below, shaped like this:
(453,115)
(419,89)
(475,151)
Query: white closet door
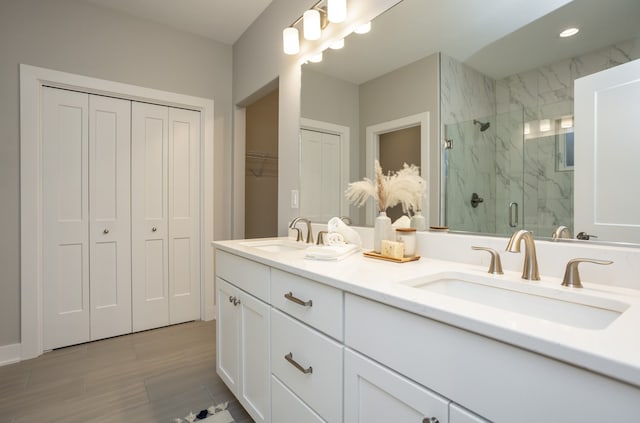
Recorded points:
(109,233)
(184,215)
(320,176)
(65,256)
(149,226)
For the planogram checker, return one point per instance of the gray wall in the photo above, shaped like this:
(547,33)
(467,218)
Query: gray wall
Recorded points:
(77,37)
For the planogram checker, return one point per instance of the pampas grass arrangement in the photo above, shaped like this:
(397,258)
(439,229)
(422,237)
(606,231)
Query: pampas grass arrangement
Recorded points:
(404,187)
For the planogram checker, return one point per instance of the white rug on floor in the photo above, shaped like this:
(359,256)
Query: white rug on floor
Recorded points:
(219,417)
(217,414)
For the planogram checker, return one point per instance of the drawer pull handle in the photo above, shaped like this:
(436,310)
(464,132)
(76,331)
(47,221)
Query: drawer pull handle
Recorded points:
(430,420)
(234,300)
(289,358)
(289,296)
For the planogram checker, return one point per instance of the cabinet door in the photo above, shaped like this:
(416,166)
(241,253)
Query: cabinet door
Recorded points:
(149,244)
(287,407)
(458,414)
(184,215)
(65,219)
(374,393)
(110,216)
(227,335)
(255,385)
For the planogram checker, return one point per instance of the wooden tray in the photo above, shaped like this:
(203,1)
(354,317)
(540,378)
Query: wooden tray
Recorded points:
(379,256)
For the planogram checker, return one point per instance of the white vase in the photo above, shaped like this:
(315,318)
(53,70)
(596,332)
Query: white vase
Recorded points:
(418,222)
(382,230)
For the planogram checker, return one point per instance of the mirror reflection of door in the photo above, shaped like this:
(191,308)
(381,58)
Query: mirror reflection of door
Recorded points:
(261,167)
(395,149)
(320,185)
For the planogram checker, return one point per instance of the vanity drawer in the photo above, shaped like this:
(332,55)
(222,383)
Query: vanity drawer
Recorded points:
(315,304)
(246,274)
(313,370)
(287,407)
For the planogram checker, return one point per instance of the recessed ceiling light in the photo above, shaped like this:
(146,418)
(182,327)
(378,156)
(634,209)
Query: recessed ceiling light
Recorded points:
(569,32)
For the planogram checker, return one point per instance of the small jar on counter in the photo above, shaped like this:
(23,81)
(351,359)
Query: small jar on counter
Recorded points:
(408,237)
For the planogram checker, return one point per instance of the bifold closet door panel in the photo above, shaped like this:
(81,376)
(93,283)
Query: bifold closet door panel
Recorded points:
(184,215)
(66,307)
(110,216)
(149,220)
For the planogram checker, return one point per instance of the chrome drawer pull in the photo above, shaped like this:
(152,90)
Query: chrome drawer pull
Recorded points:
(289,296)
(289,358)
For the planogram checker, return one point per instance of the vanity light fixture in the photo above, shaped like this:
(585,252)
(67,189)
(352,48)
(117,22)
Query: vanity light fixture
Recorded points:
(290,41)
(337,45)
(569,32)
(545,125)
(311,25)
(313,21)
(566,122)
(363,29)
(337,10)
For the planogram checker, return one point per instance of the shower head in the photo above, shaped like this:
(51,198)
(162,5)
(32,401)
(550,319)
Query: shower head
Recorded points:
(483,126)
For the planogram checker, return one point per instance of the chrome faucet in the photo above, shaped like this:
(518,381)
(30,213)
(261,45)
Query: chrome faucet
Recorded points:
(530,268)
(561,232)
(293,224)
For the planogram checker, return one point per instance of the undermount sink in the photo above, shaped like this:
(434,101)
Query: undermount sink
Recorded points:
(562,305)
(277,245)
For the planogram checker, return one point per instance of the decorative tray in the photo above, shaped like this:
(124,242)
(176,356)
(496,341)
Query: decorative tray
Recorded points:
(379,256)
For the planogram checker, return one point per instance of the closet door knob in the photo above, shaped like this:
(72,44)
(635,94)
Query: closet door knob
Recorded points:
(154,229)
(106,231)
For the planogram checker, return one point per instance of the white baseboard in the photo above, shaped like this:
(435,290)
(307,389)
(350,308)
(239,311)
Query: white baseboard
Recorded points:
(9,354)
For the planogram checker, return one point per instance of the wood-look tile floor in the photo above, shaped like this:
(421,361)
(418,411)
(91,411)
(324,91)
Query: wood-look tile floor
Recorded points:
(151,376)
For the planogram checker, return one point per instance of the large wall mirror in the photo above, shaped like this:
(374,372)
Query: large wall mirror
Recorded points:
(496,87)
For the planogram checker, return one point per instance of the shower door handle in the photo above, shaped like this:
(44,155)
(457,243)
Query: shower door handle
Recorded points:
(513,222)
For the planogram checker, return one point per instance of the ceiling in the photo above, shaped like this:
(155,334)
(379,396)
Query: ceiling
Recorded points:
(498,39)
(220,20)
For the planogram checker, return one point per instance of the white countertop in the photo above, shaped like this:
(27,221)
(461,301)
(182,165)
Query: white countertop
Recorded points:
(613,351)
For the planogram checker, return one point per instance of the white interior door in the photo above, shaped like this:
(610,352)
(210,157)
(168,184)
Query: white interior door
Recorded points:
(606,154)
(184,215)
(320,182)
(149,221)
(110,216)
(65,254)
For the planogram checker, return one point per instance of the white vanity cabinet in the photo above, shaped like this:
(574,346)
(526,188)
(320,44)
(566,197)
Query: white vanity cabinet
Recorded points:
(303,357)
(242,332)
(498,381)
(375,394)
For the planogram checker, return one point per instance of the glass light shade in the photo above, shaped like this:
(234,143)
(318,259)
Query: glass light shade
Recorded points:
(527,128)
(363,29)
(337,45)
(545,125)
(311,24)
(337,10)
(290,41)
(316,58)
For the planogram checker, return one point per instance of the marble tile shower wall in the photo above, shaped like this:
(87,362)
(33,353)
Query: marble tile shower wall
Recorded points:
(466,94)
(523,172)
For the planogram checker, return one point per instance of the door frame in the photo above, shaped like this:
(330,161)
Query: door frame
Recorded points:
(32,80)
(345,144)
(373,133)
